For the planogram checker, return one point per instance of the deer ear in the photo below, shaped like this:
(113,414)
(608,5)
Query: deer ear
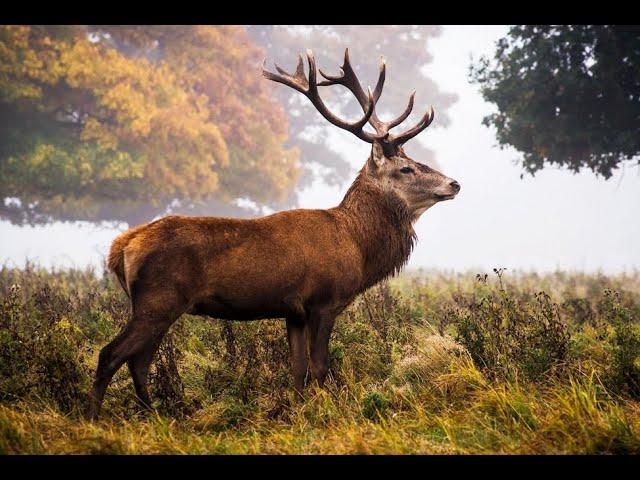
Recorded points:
(377,157)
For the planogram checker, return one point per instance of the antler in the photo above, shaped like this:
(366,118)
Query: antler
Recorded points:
(348,78)
(407,135)
(309,87)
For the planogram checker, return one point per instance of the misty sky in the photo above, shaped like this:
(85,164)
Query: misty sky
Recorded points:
(553,220)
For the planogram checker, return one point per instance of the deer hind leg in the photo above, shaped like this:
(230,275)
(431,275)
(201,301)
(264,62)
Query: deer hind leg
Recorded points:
(135,344)
(139,368)
(108,364)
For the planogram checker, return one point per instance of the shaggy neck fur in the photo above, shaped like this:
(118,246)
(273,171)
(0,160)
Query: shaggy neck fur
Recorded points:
(381,225)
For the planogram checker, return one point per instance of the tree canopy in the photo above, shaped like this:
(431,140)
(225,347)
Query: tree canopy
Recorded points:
(120,122)
(566,95)
(125,123)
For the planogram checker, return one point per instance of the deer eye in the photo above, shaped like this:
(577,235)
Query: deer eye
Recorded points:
(406,170)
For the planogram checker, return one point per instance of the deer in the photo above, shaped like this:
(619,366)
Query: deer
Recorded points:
(301,265)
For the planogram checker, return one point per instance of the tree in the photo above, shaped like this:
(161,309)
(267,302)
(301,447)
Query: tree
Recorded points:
(566,95)
(126,123)
(122,123)
(406,50)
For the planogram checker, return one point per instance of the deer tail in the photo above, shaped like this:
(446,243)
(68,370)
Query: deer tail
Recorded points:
(115,260)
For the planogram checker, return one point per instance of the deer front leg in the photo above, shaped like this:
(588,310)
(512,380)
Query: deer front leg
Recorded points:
(320,327)
(297,352)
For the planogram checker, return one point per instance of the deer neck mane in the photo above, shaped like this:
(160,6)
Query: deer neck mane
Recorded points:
(381,225)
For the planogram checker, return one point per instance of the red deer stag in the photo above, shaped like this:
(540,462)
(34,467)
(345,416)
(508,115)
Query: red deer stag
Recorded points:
(302,265)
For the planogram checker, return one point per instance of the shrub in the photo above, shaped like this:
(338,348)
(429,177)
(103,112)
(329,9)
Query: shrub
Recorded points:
(509,334)
(375,406)
(41,354)
(624,370)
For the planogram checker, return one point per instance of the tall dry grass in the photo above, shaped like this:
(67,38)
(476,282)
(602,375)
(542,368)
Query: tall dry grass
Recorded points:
(430,363)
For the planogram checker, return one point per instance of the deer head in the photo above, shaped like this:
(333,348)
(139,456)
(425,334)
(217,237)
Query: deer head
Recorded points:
(416,184)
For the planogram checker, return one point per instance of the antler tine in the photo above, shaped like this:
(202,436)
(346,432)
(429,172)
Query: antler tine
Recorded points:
(424,122)
(281,71)
(403,116)
(300,66)
(330,79)
(371,109)
(314,96)
(381,77)
(313,82)
(334,79)
(296,81)
(348,78)
(309,87)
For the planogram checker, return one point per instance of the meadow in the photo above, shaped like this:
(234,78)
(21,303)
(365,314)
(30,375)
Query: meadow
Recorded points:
(429,362)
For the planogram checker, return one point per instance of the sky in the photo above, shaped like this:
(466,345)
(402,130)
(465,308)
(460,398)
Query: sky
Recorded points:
(555,220)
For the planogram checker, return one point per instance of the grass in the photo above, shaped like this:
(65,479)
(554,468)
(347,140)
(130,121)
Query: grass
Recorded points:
(427,363)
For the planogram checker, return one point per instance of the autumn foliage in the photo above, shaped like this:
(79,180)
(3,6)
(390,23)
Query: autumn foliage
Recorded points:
(98,121)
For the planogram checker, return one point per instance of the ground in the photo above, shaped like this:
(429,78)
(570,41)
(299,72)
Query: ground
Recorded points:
(426,363)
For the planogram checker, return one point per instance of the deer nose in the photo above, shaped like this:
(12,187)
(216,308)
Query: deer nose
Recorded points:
(455,185)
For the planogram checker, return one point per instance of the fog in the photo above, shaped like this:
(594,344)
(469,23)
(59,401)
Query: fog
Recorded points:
(555,220)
